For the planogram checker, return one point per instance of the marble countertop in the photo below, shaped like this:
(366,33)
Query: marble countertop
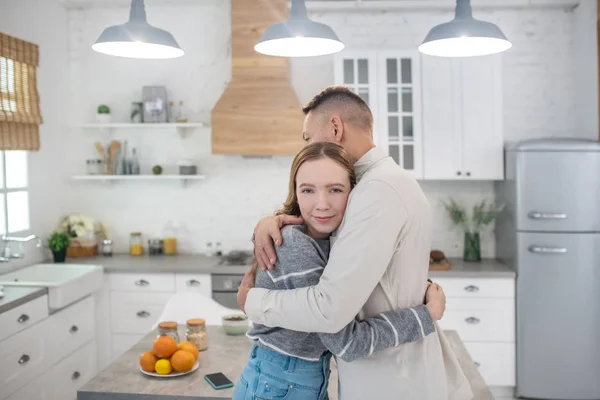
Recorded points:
(15,296)
(200,263)
(122,380)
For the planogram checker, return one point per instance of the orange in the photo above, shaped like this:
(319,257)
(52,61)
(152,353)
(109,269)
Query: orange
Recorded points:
(182,361)
(164,346)
(190,348)
(147,361)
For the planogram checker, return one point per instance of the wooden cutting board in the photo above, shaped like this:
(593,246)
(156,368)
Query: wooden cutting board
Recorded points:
(259,113)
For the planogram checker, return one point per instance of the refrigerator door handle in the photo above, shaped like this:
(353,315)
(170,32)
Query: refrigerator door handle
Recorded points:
(541,215)
(547,250)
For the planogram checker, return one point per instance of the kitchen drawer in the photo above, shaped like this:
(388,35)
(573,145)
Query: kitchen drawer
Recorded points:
(35,390)
(484,320)
(136,312)
(477,287)
(23,316)
(24,357)
(496,362)
(120,343)
(72,327)
(142,282)
(65,378)
(197,283)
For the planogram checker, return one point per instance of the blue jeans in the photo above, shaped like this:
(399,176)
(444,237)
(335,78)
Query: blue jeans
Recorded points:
(270,375)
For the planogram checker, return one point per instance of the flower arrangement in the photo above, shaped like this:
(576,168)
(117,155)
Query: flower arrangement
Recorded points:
(483,214)
(84,232)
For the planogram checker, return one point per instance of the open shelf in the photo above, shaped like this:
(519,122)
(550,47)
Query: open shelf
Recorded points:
(126,125)
(116,178)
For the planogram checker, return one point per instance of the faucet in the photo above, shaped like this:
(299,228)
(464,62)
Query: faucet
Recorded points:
(7,255)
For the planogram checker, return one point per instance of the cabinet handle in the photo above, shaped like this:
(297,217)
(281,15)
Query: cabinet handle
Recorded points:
(74,329)
(23,318)
(458,173)
(193,282)
(23,360)
(477,364)
(547,250)
(468,173)
(472,320)
(472,289)
(143,314)
(541,215)
(142,282)
(75,375)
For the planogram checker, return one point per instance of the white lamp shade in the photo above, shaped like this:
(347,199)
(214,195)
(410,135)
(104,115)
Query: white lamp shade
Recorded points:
(299,38)
(466,37)
(137,38)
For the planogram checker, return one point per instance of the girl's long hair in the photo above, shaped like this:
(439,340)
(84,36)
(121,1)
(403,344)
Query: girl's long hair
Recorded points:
(314,151)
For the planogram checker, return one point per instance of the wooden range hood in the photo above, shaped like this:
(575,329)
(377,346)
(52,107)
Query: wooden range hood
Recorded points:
(259,113)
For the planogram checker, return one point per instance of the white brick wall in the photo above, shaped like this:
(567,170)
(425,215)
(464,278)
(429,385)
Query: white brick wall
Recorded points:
(538,91)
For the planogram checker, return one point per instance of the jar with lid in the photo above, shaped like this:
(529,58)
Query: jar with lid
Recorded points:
(196,333)
(168,328)
(136,244)
(107,248)
(155,247)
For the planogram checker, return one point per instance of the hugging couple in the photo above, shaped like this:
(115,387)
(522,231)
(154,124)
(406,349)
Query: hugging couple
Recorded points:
(341,270)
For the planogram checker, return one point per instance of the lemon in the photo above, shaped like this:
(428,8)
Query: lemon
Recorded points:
(163,367)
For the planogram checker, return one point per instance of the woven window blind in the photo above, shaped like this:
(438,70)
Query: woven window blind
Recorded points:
(20,115)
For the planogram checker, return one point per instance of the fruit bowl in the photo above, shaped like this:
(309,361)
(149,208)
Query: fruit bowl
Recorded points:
(235,324)
(172,374)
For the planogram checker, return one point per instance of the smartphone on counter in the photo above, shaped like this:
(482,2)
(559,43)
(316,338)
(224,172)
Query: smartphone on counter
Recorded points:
(218,381)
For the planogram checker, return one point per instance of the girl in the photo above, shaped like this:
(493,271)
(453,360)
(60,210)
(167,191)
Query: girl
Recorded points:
(295,365)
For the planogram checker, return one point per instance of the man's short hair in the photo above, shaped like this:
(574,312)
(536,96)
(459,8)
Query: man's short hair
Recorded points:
(352,108)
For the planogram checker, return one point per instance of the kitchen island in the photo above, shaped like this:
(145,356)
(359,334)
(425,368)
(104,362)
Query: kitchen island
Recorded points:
(122,380)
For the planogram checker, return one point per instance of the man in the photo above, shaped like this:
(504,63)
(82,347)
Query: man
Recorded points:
(379,262)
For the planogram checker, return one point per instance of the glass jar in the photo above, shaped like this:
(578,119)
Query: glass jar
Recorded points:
(170,245)
(107,248)
(94,167)
(155,247)
(196,333)
(136,244)
(168,328)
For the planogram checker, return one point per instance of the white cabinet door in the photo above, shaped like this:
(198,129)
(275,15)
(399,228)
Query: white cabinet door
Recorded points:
(72,327)
(390,83)
(72,373)
(142,282)
(399,108)
(197,283)
(462,118)
(496,362)
(23,316)
(442,136)
(358,71)
(482,115)
(35,390)
(136,312)
(121,343)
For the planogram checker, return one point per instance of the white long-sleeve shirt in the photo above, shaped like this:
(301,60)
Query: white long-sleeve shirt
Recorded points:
(379,262)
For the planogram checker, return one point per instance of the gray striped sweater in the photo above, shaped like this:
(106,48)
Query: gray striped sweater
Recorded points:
(300,263)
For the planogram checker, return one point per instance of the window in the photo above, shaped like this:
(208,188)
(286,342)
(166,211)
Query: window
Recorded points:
(20,115)
(14,194)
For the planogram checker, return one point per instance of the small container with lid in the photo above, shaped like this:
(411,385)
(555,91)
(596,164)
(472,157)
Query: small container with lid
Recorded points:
(107,248)
(136,244)
(168,328)
(196,333)
(155,247)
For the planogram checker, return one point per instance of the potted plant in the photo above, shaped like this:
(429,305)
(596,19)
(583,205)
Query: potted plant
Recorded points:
(58,242)
(483,215)
(103,114)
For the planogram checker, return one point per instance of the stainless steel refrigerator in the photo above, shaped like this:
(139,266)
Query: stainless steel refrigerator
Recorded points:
(550,233)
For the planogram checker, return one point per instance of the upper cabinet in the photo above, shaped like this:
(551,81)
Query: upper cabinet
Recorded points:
(462,118)
(438,118)
(389,81)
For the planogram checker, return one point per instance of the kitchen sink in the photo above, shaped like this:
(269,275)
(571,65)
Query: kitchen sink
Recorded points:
(66,283)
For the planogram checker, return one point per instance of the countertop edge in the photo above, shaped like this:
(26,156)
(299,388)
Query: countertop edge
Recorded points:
(22,300)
